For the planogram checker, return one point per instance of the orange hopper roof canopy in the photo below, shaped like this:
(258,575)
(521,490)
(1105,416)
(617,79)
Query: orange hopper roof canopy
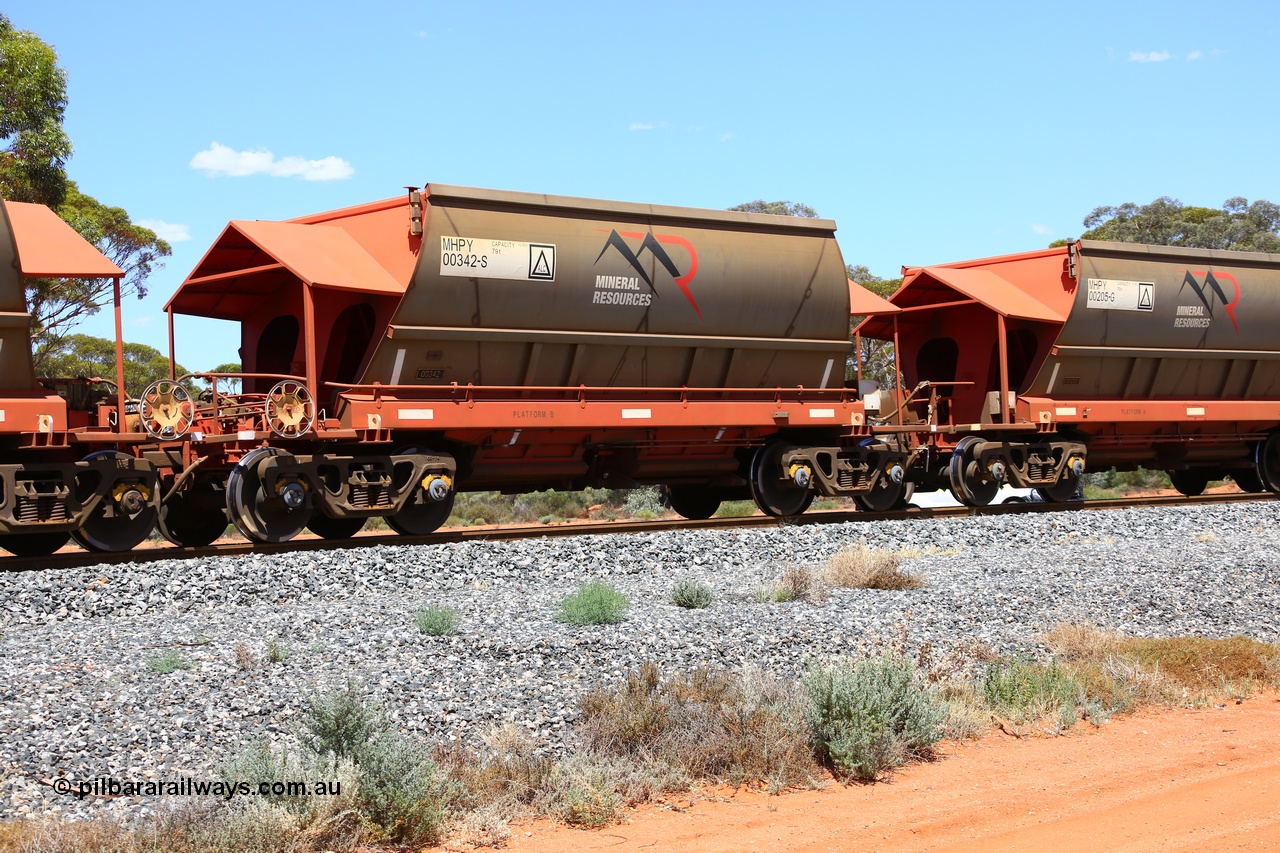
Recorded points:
(940,285)
(229,284)
(995,292)
(863,301)
(50,248)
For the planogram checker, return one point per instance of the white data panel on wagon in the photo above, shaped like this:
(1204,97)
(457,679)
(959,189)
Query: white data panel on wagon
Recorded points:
(1118,295)
(474,257)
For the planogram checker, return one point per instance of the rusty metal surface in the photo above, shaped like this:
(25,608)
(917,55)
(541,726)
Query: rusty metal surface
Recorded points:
(994,292)
(495,261)
(863,301)
(15,322)
(1205,328)
(50,247)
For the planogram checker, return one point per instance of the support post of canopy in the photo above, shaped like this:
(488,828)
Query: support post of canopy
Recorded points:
(897,365)
(857,354)
(173,370)
(310,344)
(120,392)
(1004,369)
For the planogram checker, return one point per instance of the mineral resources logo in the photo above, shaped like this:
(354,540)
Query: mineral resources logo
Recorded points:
(1207,286)
(625,289)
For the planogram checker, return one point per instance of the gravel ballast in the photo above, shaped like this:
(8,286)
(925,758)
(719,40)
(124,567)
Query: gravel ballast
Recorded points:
(80,700)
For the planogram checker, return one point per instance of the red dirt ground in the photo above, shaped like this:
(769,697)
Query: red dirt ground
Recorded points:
(1167,781)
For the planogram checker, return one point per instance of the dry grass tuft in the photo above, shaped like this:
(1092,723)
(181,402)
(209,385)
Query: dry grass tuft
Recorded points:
(868,568)
(740,729)
(1078,641)
(1202,664)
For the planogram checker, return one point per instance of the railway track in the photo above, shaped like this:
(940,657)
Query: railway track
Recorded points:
(76,559)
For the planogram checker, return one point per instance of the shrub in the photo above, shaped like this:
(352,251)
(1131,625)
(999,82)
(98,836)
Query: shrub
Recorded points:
(437,621)
(736,509)
(1025,690)
(691,594)
(278,652)
(798,583)
(401,790)
(704,724)
(595,603)
(868,568)
(245,658)
(644,503)
(871,716)
(167,662)
(340,722)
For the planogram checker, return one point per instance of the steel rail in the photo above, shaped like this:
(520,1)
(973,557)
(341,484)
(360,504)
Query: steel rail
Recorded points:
(77,559)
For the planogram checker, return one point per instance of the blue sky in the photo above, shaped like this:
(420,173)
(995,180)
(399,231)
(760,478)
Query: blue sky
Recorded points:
(930,132)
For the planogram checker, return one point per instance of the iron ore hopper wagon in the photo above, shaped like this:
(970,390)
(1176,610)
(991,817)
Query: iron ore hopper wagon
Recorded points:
(1023,367)
(460,338)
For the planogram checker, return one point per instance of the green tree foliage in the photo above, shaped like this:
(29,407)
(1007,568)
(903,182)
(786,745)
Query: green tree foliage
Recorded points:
(34,149)
(877,355)
(33,97)
(1239,225)
(77,356)
(777,208)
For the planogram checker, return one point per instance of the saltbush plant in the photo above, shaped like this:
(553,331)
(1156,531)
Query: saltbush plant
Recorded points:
(691,594)
(167,662)
(594,603)
(1026,690)
(437,621)
(870,716)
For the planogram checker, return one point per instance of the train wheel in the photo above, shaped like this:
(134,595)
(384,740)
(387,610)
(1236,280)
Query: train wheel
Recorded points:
(260,516)
(693,502)
(968,483)
(1189,483)
(1248,480)
(886,496)
(33,544)
(122,519)
(775,496)
(194,518)
(335,528)
(419,519)
(1266,459)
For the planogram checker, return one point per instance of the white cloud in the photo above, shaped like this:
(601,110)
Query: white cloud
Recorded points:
(1153,56)
(167,230)
(725,137)
(1044,230)
(219,160)
(146,321)
(1194,55)
(640,125)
